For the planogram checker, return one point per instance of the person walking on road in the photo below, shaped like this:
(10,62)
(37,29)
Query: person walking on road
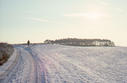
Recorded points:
(28,42)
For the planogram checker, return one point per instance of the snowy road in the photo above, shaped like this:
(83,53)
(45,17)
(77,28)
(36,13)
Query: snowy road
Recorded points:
(66,64)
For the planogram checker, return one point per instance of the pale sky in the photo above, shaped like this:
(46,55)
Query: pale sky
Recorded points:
(37,20)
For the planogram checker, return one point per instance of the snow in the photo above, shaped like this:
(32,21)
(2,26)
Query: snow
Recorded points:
(5,68)
(65,64)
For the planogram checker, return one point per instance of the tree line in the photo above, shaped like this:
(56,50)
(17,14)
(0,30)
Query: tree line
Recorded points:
(81,42)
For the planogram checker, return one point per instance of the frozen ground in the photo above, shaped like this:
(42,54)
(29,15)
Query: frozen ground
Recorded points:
(65,64)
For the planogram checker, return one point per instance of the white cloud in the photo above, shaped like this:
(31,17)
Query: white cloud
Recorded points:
(104,3)
(119,10)
(38,19)
(75,14)
(87,15)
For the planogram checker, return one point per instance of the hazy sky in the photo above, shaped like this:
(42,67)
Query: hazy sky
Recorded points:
(38,20)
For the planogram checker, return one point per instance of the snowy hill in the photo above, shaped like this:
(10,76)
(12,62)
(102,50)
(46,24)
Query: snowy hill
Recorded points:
(67,64)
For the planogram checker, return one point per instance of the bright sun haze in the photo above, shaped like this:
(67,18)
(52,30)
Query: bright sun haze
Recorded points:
(37,20)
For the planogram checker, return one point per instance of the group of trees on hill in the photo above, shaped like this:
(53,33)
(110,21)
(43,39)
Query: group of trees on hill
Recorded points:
(81,42)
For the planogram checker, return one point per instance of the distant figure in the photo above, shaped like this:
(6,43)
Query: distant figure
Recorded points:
(28,42)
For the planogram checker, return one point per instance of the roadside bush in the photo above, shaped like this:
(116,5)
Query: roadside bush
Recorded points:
(6,51)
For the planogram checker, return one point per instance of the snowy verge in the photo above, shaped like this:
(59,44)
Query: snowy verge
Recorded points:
(5,68)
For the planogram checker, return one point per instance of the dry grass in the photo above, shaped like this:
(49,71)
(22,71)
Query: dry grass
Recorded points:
(5,51)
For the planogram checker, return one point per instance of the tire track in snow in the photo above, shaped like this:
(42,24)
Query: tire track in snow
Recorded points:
(39,67)
(12,72)
(23,70)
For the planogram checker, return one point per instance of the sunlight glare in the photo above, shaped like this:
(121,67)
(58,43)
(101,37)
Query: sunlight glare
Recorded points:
(94,15)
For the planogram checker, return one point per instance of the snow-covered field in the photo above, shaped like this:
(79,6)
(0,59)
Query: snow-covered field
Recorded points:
(65,64)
